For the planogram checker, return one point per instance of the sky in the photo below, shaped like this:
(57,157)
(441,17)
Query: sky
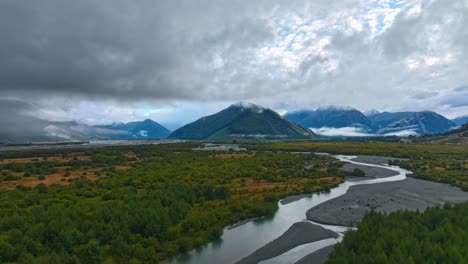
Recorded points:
(99,62)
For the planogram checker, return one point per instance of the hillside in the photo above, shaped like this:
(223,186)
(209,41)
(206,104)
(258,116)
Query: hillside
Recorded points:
(330,117)
(460,120)
(381,120)
(242,120)
(425,122)
(456,136)
(147,129)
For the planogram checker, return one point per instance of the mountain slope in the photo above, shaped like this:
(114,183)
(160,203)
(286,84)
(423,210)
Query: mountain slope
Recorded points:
(460,120)
(455,136)
(422,123)
(147,129)
(384,119)
(242,120)
(330,117)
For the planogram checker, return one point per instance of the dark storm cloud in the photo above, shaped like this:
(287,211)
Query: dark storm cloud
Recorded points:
(15,121)
(160,49)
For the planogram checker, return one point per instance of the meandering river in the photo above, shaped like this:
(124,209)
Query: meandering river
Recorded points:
(243,240)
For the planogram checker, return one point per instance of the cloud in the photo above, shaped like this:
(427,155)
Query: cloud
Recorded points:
(457,98)
(341,132)
(16,122)
(402,133)
(358,132)
(107,60)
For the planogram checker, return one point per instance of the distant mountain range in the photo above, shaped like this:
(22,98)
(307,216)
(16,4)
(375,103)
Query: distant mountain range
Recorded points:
(386,123)
(422,123)
(41,130)
(243,121)
(240,121)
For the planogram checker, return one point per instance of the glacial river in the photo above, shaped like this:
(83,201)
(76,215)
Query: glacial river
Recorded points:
(243,240)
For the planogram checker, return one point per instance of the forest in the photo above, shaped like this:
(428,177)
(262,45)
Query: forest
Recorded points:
(438,235)
(140,204)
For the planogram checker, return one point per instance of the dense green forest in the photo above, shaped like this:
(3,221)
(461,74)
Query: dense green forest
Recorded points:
(438,235)
(140,204)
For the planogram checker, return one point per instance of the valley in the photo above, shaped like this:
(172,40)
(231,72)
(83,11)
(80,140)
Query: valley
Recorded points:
(182,198)
(234,132)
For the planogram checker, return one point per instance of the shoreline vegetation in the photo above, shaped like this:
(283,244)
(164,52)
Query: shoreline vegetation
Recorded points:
(437,235)
(148,203)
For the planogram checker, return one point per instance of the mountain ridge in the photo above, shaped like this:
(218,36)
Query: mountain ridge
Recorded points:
(381,123)
(242,120)
(330,117)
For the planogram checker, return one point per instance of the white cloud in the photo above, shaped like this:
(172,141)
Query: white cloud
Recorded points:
(341,132)
(403,133)
(357,132)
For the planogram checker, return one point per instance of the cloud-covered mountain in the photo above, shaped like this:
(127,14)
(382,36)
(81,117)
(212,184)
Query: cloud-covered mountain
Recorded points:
(242,120)
(351,122)
(421,123)
(30,129)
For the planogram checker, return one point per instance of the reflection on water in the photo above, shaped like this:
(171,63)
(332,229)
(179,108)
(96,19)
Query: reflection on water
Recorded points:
(241,241)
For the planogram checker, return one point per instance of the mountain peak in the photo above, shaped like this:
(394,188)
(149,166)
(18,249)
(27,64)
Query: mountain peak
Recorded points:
(244,121)
(330,116)
(249,106)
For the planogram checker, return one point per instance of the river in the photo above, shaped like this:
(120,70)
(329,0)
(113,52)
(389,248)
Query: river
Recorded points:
(243,240)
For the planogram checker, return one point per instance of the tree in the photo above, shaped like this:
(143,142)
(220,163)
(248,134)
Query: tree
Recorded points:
(89,253)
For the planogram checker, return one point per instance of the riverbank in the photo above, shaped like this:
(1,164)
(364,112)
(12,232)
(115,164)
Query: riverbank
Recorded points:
(349,209)
(270,241)
(243,222)
(318,257)
(408,194)
(298,234)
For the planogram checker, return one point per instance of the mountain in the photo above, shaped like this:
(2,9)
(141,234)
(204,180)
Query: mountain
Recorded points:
(455,136)
(242,120)
(460,120)
(385,123)
(31,129)
(381,120)
(147,129)
(422,123)
(330,117)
